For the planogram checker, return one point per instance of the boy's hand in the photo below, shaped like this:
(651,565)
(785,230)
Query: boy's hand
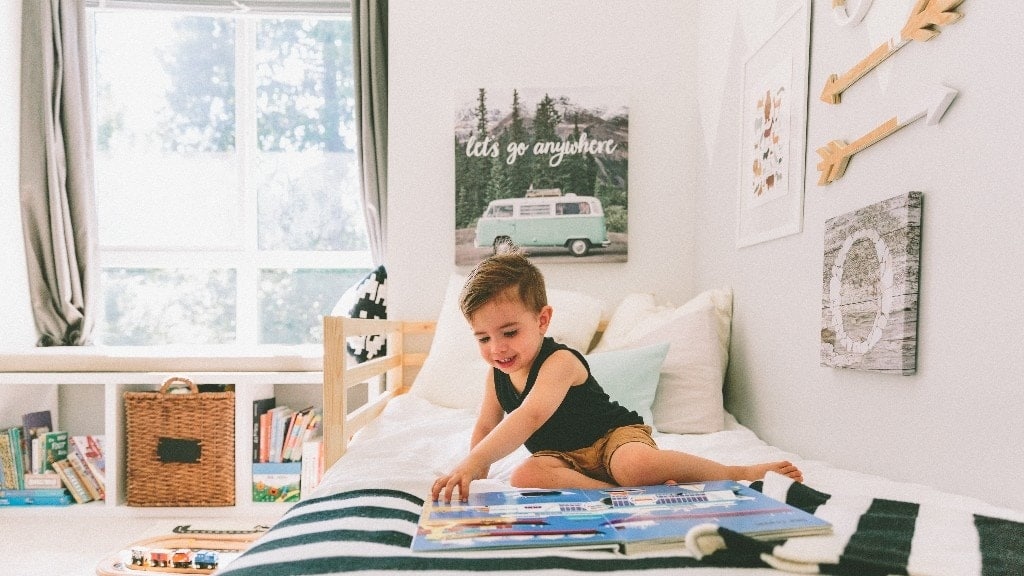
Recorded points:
(458,480)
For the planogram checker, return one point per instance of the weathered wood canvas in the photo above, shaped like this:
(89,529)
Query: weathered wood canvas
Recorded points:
(870,287)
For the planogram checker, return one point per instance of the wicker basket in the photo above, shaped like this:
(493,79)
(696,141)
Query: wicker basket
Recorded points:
(180,447)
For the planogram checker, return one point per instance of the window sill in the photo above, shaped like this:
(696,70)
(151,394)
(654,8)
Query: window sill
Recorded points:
(303,358)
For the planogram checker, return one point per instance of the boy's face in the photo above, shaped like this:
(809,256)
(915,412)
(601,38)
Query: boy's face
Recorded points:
(508,334)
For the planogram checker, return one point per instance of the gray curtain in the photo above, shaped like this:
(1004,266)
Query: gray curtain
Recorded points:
(370,59)
(57,196)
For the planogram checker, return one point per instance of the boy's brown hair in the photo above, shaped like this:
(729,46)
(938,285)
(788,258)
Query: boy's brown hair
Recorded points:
(507,269)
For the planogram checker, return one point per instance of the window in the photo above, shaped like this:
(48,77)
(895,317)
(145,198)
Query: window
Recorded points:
(535,210)
(226,177)
(501,211)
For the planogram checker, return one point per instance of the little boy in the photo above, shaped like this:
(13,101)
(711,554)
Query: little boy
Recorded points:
(541,394)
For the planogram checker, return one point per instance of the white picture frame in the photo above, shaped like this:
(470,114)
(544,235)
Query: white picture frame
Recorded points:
(773,138)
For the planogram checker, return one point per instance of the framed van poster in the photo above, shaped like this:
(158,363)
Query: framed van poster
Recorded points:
(546,169)
(774,134)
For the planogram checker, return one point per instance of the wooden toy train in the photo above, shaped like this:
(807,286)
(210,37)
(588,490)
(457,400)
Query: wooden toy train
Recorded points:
(182,560)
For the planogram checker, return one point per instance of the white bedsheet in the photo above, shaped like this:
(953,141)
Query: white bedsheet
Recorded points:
(362,518)
(413,442)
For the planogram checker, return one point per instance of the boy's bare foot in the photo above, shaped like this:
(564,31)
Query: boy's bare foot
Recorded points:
(784,467)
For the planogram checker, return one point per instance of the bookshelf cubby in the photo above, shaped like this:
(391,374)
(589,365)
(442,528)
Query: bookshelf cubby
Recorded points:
(91,402)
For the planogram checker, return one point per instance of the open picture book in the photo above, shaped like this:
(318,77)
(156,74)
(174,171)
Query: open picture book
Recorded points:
(623,519)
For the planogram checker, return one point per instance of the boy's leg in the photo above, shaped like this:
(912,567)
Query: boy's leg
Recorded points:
(551,472)
(637,464)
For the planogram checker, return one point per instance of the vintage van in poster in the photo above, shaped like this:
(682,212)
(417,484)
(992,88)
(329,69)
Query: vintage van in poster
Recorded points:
(573,222)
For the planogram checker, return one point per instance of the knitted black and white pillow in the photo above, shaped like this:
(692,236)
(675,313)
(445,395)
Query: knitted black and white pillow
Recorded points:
(367,298)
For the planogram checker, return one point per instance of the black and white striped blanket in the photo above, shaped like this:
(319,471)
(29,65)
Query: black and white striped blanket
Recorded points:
(369,532)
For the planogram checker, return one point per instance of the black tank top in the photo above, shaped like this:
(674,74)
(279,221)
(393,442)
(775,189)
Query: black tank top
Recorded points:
(586,413)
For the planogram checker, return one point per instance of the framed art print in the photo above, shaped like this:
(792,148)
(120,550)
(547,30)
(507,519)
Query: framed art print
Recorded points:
(544,168)
(870,287)
(773,138)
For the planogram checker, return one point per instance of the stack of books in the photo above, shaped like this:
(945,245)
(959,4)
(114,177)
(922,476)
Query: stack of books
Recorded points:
(284,451)
(40,466)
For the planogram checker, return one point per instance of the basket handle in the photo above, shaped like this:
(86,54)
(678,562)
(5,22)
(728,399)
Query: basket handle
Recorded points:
(165,388)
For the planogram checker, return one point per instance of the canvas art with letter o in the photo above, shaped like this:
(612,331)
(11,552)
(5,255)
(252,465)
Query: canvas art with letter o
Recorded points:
(870,287)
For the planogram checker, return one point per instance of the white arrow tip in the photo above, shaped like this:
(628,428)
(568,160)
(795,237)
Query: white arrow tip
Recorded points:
(940,101)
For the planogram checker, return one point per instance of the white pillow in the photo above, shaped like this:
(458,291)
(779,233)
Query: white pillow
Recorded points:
(689,395)
(630,376)
(453,374)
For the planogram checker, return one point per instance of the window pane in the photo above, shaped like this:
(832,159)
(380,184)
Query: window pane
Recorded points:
(293,302)
(307,181)
(147,306)
(166,168)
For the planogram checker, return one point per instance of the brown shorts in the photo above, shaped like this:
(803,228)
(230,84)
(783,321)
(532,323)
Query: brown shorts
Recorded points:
(595,460)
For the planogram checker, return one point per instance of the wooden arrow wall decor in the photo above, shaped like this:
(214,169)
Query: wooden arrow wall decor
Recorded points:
(923,24)
(835,155)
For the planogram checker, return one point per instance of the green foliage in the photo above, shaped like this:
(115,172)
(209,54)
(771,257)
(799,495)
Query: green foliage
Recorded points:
(292,303)
(201,113)
(153,306)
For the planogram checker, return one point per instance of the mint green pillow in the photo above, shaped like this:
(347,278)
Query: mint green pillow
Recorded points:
(630,376)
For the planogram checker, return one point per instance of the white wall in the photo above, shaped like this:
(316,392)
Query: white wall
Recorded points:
(15,311)
(439,47)
(958,422)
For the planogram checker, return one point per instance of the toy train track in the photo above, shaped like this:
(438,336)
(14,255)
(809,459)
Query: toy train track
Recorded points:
(187,529)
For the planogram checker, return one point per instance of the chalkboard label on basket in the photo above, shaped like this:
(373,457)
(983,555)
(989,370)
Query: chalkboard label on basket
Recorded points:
(183,450)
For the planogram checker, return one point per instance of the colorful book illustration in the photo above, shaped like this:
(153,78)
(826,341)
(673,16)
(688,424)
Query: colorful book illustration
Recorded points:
(89,450)
(10,476)
(624,519)
(276,482)
(55,448)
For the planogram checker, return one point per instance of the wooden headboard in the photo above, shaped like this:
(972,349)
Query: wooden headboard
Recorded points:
(384,375)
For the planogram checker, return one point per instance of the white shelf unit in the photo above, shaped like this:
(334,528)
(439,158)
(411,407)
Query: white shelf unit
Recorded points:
(106,389)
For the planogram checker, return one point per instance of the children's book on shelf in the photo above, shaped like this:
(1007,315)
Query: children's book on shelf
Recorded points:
(89,449)
(312,464)
(276,481)
(72,481)
(93,485)
(624,519)
(281,431)
(35,497)
(260,406)
(45,480)
(12,462)
(279,417)
(55,448)
(34,426)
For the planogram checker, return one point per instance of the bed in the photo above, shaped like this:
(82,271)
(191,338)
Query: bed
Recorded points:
(670,362)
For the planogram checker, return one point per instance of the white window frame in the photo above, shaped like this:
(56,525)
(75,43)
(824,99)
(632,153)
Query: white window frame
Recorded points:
(246,259)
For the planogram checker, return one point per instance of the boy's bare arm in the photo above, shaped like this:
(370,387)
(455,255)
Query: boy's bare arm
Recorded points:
(561,371)
(490,415)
